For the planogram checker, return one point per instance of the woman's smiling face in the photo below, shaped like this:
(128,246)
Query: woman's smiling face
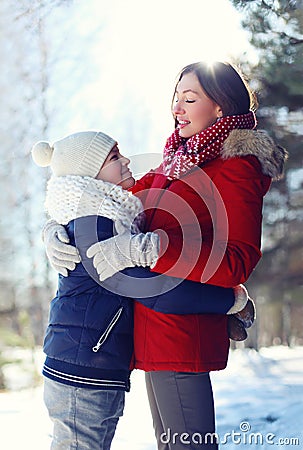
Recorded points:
(192,109)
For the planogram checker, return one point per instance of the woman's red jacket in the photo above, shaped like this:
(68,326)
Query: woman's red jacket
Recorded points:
(210,227)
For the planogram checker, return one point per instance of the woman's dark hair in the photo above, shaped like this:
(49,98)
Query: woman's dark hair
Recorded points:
(224,85)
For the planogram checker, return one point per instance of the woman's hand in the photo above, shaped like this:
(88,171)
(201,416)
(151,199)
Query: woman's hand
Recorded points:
(62,257)
(124,250)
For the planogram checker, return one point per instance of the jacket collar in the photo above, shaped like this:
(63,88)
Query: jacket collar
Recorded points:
(271,156)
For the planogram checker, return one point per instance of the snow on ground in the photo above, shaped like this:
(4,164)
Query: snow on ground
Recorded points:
(259,403)
(261,393)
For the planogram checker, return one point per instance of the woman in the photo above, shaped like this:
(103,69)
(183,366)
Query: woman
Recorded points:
(207,196)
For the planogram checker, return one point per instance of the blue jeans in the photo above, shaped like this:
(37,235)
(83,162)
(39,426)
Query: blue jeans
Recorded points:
(83,418)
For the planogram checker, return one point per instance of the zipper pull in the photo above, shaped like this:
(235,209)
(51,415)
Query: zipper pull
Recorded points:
(106,333)
(96,348)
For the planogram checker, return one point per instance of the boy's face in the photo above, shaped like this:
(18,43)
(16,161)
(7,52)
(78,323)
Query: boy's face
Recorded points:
(115,170)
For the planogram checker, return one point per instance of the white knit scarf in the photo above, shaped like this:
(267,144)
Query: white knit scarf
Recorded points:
(69,197)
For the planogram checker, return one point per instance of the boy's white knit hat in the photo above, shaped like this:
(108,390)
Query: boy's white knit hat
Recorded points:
(81,153)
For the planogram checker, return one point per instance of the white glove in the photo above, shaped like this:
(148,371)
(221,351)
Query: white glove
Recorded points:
(124,250)
(62,257)
(241,298)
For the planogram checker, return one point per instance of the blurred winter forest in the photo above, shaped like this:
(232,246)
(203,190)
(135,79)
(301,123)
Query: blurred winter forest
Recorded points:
(53,54)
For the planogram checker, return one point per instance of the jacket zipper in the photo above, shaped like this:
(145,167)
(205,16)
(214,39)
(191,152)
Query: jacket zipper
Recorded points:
(105,335)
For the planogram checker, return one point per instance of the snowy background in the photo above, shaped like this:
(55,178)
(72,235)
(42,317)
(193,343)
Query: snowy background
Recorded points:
(258,405)
(91,64)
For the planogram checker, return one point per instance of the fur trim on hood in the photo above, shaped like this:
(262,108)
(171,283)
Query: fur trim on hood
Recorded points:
(271,156)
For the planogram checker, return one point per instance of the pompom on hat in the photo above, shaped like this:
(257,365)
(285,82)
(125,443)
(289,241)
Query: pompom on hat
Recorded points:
(81,153)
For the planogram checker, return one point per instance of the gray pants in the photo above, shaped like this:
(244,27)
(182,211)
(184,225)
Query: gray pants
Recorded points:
(182,408)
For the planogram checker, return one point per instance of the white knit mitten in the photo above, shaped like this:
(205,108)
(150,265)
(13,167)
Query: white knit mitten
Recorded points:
(241,297)
(124,250)
(62,257)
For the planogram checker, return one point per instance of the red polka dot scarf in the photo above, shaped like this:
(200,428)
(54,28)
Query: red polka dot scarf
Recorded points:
(181,155)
